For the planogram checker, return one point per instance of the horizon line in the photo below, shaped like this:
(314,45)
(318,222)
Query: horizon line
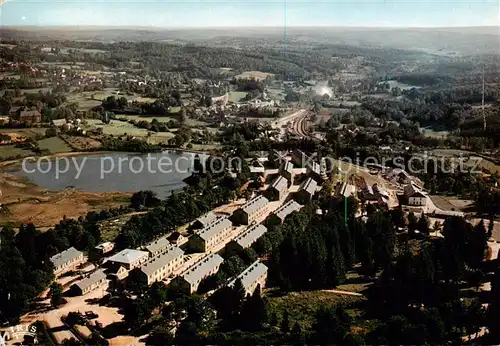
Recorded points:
(249,27)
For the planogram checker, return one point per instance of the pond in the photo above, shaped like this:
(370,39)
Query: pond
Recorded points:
(112,172)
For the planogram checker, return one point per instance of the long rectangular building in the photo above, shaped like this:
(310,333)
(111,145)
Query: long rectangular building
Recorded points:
(277,190)
(158,246)
(253,276)
(66,260)
(189,281)
(162,266)
(204,221)
(129,258)
(247,238)
(207,238)
(251,210)
(90,283)
(306,191)
(279,215)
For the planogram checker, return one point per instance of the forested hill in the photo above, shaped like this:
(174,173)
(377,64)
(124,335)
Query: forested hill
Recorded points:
(468,41)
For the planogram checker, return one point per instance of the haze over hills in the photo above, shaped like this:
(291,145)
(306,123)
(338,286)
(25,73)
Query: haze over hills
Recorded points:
(464,40)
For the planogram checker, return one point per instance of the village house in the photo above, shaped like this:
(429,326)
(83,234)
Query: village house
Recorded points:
(345,190)
(204,220)
(314,171)
(299,158)
(176,238)
(286,170)
(415,196)
(67,260)
(162,266)
(189,281)
(279,215)
(104,248)
(244,240)
(252,277)
(14,112)
(90,283)
(207,238)
(277,190)
(251,210)
(306,191)
(129,259)
(157,247)
(30,117)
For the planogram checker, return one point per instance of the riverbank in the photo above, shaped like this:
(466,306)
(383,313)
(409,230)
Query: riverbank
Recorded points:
(24,202)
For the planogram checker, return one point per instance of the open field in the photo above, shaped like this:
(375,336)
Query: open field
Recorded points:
(428,132)
(29,203)
(82,50)
(54,145)
(145,99)
(10,151)
(236,96)
(117,128)
(81,143)
(144,118)
(258,75)
(302,305)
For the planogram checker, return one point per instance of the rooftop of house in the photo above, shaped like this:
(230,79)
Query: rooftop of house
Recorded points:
(65,256)
(309,185)
(128,256)
(158,245)
(255,204)
(29,113)
(199,270)
(159,262)
(104,245)
(287,167)
(214,228)
(93,278)
(279,184)
(250,275)
(286,209)
(250,235)
(207,218)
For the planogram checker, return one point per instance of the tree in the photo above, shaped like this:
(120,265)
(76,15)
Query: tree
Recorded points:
(51,132)
(138,311)
(56,294)
(493,313)
(285,323)
(158,293)
(423,225)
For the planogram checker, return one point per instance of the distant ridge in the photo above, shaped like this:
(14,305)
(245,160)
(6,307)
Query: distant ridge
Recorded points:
(463,40)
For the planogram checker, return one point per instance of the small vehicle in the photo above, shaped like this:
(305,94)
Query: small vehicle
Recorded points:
(91,315)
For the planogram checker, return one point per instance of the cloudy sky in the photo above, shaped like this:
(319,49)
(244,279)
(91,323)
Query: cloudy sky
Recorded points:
(209,13)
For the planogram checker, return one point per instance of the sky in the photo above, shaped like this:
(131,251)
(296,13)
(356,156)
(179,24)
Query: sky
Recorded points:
(244,13)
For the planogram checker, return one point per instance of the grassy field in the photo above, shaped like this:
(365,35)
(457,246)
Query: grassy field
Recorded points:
(28,132)
(144,118)
(258,75)
(303,305)
(10,151)
(117,128)
(236,96)
(54,145)
(428,132)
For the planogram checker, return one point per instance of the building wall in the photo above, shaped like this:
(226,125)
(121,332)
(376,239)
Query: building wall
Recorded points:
(218,238)
(241,217)
(69,265)
(165,271)
(417,201)
(196,243)
(260,281)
